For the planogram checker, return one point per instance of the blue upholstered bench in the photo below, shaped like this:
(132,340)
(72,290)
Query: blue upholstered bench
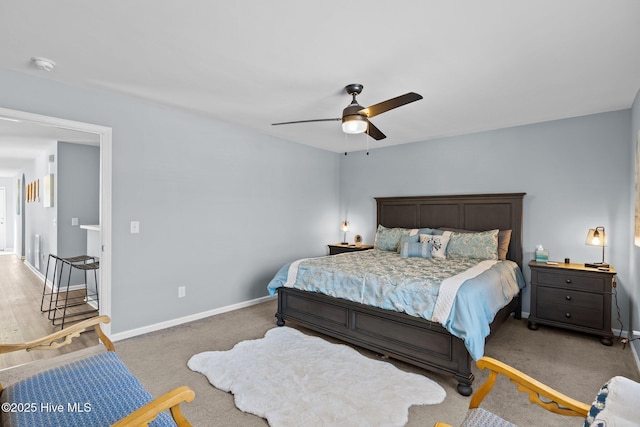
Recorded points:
(95,391)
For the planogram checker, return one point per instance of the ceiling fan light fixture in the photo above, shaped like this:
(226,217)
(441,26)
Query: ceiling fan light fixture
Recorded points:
(355,118)
(354,124)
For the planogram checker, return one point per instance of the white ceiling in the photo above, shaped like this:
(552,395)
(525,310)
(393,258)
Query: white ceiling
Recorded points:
(21,142)
(479,65)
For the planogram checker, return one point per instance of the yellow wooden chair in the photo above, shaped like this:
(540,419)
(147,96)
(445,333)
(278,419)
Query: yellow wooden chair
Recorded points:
(540,394)
(145,414)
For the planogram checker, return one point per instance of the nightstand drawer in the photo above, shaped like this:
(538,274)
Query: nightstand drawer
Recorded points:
(582,282)
(569,298)
(572,315)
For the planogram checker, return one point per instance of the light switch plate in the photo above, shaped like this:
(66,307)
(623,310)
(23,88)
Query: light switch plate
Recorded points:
(74,221)
(135,227)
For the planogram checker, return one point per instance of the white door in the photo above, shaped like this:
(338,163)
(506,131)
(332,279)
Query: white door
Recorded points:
(3,222)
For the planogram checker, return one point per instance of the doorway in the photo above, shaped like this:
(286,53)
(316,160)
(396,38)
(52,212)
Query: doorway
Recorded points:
(105,136)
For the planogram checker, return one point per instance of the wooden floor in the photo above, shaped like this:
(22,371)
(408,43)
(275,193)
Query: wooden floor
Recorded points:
(20,316)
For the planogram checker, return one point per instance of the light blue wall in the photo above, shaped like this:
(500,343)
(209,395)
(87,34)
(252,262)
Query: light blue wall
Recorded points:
(634,251)
(221,208)
(78,185)
(575,173)
(78,196)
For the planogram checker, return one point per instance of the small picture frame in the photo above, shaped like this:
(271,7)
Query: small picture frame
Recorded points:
(357,239)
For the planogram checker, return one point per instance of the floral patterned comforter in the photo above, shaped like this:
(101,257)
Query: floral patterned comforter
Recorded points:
(411,285)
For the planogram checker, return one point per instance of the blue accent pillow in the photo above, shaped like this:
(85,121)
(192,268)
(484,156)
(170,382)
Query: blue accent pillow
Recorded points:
(388,239)
(415,249)
(407,239)
(482,245)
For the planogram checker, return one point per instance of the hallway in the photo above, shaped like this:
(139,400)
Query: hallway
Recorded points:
(20,316)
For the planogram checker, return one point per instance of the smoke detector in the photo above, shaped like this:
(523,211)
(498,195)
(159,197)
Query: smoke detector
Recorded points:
(43,63)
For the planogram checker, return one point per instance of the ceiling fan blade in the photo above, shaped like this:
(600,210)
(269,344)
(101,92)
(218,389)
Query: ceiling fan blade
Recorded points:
(390,104)
(374,132)
(306,121)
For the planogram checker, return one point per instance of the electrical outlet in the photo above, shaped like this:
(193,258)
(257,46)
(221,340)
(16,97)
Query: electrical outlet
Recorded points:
(182,290)
(74,221)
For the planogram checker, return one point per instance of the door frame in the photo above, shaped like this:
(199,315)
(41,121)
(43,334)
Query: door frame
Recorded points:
(105,134)
(3,215)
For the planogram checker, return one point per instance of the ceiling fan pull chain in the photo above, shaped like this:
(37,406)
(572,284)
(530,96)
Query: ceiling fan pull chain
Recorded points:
(366,136)
(345,143)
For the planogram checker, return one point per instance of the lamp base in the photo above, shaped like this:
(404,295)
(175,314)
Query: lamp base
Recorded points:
(596,265)
(344,243)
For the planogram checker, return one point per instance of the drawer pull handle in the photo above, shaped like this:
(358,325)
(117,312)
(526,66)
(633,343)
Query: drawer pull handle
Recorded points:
(568,280)
(568,297)
(567,315)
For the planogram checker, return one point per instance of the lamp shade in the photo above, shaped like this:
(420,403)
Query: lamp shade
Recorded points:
(354,124)
(596,237)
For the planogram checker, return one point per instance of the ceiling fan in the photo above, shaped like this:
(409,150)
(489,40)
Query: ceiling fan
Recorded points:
(355,118)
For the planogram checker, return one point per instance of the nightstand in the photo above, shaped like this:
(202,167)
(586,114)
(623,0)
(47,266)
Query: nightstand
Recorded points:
(338,248)
(572,296)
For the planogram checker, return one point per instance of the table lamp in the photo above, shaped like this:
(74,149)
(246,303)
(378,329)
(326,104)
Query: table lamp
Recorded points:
(597,237)
(345,227)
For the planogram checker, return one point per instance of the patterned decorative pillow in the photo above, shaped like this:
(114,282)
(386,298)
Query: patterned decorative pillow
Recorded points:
(439,243)
(504,238)
(598,404)
(388,239)
(415,249)
(482,245)
(616,404)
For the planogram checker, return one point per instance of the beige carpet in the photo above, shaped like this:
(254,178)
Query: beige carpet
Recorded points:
(576,364)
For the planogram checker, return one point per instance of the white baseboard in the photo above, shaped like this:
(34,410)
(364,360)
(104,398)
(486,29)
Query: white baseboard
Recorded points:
(33,269)
(186,319)
(632,344)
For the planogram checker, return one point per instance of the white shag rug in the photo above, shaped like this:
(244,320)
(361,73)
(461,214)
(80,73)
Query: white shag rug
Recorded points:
(293,379)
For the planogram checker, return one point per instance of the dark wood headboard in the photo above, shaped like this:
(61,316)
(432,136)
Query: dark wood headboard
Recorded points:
(475,212)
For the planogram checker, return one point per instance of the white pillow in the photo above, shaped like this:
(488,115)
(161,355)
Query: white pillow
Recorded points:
(439,242)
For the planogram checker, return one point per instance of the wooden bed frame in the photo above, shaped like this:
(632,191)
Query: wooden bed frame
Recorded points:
(412,339)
